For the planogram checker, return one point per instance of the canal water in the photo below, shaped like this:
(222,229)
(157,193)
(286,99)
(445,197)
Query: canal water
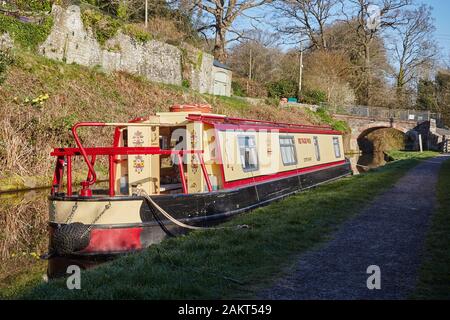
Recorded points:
(362,163)
(23,224)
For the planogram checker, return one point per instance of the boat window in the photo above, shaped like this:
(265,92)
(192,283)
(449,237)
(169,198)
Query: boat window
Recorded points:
(316,147)
(247,150)
(287,148)
(337,147)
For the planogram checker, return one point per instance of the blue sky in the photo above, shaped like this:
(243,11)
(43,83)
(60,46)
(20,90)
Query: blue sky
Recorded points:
(441,13)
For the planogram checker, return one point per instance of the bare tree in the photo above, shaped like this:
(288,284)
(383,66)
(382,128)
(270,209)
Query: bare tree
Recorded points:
(255,58)
(412,45)
(300,18)
(370,18)
(221,14)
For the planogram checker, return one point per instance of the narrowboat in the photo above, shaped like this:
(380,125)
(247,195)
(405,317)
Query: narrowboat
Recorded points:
(178,170)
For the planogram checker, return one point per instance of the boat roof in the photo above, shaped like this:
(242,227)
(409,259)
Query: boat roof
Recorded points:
(224,122)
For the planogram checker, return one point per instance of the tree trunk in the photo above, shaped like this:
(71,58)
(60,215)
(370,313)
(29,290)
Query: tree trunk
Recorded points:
(367,74)
(219,46)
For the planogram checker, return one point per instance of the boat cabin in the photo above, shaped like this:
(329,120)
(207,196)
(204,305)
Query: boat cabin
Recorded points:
(190,150)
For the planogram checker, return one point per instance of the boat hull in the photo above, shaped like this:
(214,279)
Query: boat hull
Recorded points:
(131,225)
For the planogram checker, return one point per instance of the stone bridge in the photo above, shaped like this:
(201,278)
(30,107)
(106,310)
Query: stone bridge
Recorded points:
(362,126)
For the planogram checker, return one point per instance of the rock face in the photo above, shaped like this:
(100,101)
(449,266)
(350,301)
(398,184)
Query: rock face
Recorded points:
(71,42)
(6,43)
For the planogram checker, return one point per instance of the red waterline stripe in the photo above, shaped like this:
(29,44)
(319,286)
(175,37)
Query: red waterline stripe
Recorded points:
(244,182)
(112,240)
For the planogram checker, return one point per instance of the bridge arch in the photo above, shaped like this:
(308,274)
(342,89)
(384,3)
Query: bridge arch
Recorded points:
(367,146)
(370,127)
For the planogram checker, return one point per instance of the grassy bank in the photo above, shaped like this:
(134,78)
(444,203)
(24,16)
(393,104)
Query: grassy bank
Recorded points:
(232,263)
(434,279)
(12,286)
(404,155)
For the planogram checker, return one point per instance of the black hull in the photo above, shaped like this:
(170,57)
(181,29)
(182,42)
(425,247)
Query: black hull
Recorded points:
(202,209)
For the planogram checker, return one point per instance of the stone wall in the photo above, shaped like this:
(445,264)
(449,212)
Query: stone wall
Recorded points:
(71,42)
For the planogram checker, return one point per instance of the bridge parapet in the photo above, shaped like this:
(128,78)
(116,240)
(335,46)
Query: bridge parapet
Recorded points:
(385,113)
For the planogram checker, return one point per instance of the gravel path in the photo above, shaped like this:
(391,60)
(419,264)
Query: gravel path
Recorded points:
(389,233)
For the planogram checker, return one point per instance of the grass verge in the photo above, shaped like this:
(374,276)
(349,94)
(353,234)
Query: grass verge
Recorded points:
(231,263)
(434,274)
(403,155)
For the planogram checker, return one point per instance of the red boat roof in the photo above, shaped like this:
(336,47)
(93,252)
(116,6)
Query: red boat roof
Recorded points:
(222,122)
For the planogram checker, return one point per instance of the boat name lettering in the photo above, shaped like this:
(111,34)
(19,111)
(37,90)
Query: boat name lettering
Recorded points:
(304,141)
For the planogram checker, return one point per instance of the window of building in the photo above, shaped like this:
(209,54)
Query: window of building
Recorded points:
(337,147)
(248,153)
(287,148)
(316,147)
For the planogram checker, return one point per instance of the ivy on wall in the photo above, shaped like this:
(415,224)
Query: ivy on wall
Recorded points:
(27,35)
(106,27)
(103,26)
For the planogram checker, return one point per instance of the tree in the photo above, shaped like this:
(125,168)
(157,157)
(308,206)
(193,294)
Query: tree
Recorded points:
(256,58)
(305,18)
(442,83)
(412,45)
(370,19)
(426,95)
(329,72)
(343,40)
(434,95)
(220,16)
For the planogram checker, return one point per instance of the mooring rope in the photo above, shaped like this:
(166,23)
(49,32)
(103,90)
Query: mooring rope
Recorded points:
(144,194)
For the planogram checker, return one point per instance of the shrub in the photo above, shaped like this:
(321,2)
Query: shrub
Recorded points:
(5,60)
(27,35)
(314,96)
(237,89)
(326,117)
(122,11)
(282,88)
(185,83)
(250,88)
(103,26)
(35,5)
(137,32)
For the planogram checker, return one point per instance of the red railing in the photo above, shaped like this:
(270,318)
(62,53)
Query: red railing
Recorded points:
(65,155)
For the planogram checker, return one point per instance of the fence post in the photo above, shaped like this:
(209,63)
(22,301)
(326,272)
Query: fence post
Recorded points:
(420,143)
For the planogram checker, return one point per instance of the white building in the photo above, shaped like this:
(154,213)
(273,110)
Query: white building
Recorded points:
(221,79)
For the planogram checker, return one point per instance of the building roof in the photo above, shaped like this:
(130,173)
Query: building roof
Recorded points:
(219,64)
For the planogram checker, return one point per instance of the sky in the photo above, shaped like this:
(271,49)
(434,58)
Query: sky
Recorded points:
(441,13)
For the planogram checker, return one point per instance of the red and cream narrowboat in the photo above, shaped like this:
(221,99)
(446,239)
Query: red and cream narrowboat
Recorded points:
(181,169)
